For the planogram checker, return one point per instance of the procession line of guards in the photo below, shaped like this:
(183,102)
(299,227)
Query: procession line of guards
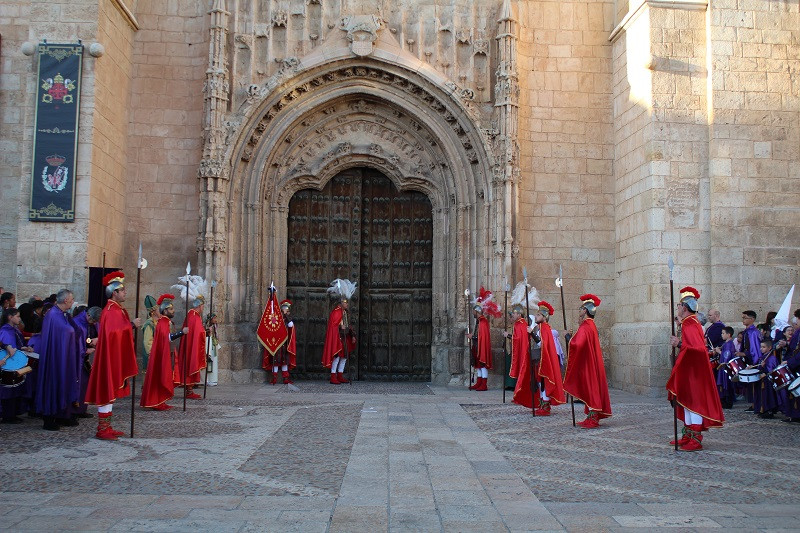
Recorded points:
(62,382)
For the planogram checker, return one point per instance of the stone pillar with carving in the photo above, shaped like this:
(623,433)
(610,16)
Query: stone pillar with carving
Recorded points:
(212,172)
(506,144)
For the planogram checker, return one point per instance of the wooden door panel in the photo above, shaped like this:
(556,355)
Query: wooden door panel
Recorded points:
(361,228)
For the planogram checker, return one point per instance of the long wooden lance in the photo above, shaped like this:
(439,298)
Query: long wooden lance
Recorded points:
(209,338)
(186,355)
(141,263)
(469,335)
(103,289)
(505,345)
(560,285)
(671,265)
(534,383)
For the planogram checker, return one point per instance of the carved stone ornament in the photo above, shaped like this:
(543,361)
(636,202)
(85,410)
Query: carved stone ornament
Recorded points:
(280,19)
(362,31)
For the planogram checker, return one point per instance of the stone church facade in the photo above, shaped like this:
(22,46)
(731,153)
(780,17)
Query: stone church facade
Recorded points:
(279,141)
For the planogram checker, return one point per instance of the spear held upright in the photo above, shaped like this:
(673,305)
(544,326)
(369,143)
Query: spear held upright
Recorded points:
(505,346)
(141,263)
(186,357)
(560,285)
(671,265)
(534,382)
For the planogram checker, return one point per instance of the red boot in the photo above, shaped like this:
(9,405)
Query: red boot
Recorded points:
(481,386)
(104,431)
(286,379)
(474,385)
(274,379)
(695,439)
(684,437)
(341,378)
(334,379)
(544,409)
(591,421)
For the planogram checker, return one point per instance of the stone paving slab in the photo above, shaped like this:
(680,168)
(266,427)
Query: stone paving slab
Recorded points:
(371,458)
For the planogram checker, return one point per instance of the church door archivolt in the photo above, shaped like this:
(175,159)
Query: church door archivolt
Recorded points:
(362,228)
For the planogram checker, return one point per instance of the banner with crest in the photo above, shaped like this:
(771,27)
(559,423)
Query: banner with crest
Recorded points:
(55,138)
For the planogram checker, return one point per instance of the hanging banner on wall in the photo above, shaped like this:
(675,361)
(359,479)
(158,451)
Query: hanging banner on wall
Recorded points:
(55,138)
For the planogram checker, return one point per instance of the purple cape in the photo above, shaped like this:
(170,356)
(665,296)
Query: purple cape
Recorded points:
(59,364)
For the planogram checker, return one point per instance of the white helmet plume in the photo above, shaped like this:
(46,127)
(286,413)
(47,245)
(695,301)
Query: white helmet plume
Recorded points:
(198,288)
(342,288)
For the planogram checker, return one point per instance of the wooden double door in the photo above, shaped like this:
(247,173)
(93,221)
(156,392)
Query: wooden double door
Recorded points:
(360,227)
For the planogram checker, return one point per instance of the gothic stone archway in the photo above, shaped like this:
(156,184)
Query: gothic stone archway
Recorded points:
(362,228)
(316,122)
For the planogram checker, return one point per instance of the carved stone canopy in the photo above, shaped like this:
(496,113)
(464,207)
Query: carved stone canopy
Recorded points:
(362,31)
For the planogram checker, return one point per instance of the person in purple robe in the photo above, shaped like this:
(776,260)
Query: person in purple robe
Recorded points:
(87,322)
(726,387)
(12,341)
(765,399)
(791,404)
(714,331)
(58,389)
(751,350)
(794,340)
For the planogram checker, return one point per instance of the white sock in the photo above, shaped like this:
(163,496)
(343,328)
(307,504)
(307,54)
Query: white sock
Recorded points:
(484,372)
(334,365)
(105,408)
(342,362)
(274,369)
(284,368)
(543,395)
(691,418)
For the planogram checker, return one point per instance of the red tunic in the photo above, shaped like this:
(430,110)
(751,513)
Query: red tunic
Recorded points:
(333,341)
(193,349)
(521,363)
(692,381)
(286,353)
(549,368)
(158,386)
(114,358)
(483,354)
(585,377)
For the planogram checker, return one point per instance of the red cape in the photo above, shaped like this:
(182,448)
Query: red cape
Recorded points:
(114,358)
(521,363)
(193,348)
(333,342)
(158,386)
(484,352)
(692,381)
(549,368)
(585,377)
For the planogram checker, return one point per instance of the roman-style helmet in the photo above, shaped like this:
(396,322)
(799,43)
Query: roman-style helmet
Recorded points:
(689,297)
(485,303)
(165,302)
(590,303)
(113,281)
(342,289)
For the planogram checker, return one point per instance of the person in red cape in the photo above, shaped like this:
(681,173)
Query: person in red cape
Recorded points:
(585,378)
(548,371)
(114,356)
(191,358)
(692,384)
(520,357)
(334,355)
(158,387)
(481,339)
(286,357)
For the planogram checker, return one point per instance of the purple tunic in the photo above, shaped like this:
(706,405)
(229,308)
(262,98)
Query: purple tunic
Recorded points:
(82,321)
(751,346)
(59,365)
(11,336)
(765,399)
(714,334)
(791,404)
(726,388)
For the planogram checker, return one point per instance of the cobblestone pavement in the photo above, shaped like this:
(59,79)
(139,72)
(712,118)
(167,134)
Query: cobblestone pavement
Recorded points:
(396,457)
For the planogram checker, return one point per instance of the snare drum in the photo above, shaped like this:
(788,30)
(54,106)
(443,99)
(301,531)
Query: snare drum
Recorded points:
(10,378)
(733,367)
(749,375)
(794,387)
(781,377)
(33,359)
